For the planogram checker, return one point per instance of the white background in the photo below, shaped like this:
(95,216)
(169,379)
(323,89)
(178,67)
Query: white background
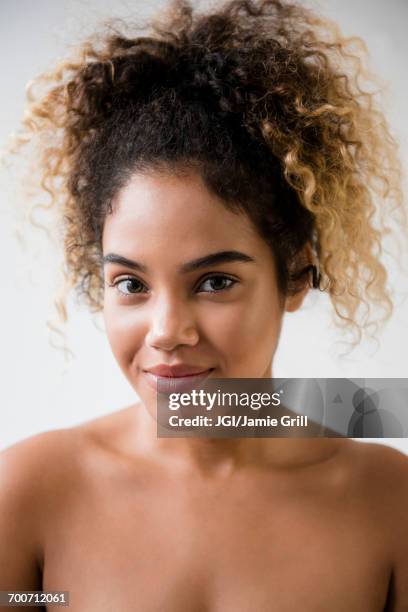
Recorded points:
(42,391)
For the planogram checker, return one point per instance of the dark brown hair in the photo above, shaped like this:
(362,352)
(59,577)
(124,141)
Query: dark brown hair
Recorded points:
(263,99)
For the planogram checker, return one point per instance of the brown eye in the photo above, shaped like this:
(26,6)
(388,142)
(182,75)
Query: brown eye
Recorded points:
(218,283)
(128,286)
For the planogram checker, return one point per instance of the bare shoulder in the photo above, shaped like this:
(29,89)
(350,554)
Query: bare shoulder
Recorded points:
(381,460)
(39,459)
(46,461)
(33,470)
(29,483)
(40,477)
(379,478)
(32,459)
(390,500)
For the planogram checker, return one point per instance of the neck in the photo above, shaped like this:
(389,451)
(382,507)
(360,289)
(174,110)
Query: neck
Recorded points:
(224,456)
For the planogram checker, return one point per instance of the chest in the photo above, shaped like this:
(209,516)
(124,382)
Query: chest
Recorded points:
(171,549)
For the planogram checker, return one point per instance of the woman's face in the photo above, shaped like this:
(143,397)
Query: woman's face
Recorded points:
(170,305)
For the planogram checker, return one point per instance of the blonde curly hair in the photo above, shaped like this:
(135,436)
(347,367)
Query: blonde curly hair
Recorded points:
(265,100)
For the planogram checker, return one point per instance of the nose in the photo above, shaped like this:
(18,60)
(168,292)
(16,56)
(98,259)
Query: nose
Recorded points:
(171,324)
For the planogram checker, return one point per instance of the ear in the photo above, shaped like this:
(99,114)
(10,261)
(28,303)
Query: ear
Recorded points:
(294,302)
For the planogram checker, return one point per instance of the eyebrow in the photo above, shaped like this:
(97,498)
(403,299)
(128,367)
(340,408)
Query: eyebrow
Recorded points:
(196,264)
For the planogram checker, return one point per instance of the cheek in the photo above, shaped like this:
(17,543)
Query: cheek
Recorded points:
(248,330)
(124,333)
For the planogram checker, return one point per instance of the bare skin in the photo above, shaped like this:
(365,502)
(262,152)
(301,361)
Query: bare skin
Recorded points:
(125,521)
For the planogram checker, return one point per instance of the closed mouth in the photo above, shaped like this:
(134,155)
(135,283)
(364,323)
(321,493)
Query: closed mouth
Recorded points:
(184,375)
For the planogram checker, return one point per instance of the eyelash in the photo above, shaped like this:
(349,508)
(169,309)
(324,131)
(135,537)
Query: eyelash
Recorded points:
(116,284)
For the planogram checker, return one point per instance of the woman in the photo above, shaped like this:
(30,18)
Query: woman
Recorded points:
(205,173)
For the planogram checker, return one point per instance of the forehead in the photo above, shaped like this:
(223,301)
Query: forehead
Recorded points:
(175,212)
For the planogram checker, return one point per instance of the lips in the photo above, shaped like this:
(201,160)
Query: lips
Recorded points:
(175,383)
(176,370)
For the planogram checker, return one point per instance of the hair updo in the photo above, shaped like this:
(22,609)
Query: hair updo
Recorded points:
(264,100)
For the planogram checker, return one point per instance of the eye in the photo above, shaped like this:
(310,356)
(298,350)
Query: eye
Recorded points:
(127,286)
(218,282)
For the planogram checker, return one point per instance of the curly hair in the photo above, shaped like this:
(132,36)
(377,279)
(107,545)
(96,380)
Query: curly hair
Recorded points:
(263,99)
